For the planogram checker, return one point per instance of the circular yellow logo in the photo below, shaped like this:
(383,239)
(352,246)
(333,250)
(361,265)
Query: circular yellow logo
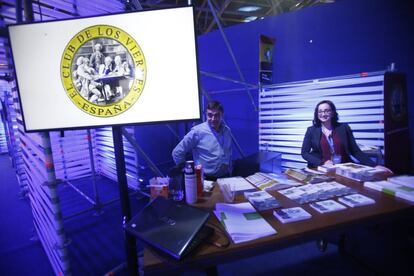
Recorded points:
(103,70)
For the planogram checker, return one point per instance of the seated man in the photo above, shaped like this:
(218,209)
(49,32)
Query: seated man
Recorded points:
(210,143)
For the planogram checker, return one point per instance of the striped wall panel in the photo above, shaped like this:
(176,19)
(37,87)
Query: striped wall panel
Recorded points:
(37,162)
(37,179)
(71,154)
(33,154)
(286,110)
(106,158)
(3,127)
(44,199)
(13,115)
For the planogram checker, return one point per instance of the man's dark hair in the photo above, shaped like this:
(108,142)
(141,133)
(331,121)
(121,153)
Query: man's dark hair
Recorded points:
(316,122)
(215,105)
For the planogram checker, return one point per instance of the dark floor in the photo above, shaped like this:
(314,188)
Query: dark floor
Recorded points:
(97,245)
(20,252)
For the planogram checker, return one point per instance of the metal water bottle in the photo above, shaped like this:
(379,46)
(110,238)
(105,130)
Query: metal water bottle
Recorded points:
(190,182)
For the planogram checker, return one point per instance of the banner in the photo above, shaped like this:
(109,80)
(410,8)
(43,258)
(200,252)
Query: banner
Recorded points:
(266,59)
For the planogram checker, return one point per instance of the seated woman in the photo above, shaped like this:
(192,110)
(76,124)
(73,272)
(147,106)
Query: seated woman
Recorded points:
(328,141)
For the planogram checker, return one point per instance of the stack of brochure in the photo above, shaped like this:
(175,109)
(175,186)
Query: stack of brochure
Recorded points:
(404,180)
(359,172)
(262,200)
(208,185)
(307,175)
(236,184)
(291,214)
(242,222)
(327,168)
(391,188)
(271,181)
(314,192)
(356,200)
(327,206)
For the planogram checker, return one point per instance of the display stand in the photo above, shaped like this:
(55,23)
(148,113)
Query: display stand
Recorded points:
(130,246)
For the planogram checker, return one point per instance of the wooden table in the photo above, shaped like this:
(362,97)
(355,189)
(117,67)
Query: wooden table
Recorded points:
(386,207)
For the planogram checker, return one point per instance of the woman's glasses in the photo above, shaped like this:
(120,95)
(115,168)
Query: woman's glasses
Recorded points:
(326,111)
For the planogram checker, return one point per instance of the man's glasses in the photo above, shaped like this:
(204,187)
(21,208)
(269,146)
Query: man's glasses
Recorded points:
(326,111)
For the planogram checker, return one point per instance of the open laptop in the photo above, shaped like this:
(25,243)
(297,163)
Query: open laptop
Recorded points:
(171,227)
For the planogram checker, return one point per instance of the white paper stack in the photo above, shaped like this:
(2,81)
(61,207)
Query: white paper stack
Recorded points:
(356,200)
(313,192)
(291,214)
(327,206)
(262,200)
(358,172)
(208,185)
(326,168)
(391,188)
(271,181)
(236,184)
(405,180)
(242,222)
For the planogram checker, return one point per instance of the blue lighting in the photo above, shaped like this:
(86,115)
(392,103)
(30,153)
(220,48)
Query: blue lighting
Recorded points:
(250,18)
(249,8)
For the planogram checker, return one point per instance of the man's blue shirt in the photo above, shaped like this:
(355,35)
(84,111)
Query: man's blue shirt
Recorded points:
(211,149)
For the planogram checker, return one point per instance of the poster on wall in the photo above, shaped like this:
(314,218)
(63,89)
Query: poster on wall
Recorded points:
(266,59)
(118,69)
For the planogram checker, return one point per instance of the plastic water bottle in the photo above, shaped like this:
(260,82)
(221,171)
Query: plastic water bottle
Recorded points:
(176,187)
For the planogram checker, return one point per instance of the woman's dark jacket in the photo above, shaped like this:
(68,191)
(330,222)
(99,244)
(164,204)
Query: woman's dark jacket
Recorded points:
(312,152)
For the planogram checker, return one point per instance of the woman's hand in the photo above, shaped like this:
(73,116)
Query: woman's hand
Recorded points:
(385,169)
(328,163)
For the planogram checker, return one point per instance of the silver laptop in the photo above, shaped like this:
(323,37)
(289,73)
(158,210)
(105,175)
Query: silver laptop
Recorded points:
(169,226)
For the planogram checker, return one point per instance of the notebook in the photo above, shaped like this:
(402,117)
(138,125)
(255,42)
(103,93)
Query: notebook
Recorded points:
(171,227)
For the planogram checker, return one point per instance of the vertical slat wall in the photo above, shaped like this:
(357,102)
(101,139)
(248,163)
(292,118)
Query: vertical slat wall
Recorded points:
(286,110)
(29,158)
(106,158)
(71,154)
(3,122)
(32,153)
(44,199)
(14,121)
(37,174)
(3,139)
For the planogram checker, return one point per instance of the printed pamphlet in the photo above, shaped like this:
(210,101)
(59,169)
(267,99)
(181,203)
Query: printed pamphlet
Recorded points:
(262,200)
(291,214)
(327,206)
(356,200)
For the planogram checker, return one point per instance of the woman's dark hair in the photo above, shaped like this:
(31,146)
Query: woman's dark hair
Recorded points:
(316,122)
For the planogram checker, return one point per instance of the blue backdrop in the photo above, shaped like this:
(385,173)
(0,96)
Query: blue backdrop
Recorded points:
(343,38)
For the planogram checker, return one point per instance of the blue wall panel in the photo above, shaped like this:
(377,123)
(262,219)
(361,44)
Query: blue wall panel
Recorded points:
(343,38)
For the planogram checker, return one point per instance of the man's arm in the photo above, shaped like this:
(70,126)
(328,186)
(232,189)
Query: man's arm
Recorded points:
(186,145)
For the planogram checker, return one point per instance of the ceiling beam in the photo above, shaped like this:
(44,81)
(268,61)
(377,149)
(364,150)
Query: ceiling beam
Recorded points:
(219,13)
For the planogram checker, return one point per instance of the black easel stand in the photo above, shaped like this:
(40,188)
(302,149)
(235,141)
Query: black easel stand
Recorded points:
(130,246)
